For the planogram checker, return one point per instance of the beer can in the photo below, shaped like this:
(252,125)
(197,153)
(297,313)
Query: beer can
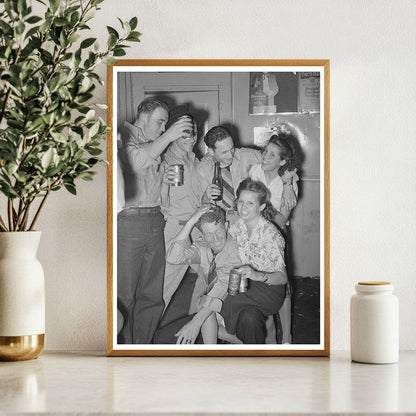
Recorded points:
(234,282)
(243,285)
(178,181)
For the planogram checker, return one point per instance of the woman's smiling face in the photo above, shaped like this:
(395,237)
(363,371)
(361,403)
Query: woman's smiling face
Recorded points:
(248,206)
(271,157)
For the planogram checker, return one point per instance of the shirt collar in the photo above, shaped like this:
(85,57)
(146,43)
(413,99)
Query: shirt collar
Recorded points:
(236,157)
(137,131)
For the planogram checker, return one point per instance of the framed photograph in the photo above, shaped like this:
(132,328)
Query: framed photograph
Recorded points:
(218,208)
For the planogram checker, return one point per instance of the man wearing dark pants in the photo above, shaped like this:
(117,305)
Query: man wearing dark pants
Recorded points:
(140,224)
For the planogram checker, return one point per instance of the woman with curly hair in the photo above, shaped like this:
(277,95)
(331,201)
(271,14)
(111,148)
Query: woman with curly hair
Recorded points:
(261,250)
(280,163)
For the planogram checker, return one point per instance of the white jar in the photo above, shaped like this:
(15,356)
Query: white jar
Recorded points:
(374,323)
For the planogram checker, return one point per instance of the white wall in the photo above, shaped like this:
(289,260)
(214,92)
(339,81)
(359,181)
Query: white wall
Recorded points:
(371,45)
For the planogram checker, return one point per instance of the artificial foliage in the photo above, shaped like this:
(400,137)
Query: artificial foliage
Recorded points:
(50,133)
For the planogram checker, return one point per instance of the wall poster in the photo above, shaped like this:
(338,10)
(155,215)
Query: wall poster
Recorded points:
(284,92)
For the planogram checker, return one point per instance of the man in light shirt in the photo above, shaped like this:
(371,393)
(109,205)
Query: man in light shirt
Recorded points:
(140,225)
(179,202)
(215,255)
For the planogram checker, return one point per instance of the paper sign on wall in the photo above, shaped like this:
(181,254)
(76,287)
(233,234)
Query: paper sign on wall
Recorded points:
(308,92)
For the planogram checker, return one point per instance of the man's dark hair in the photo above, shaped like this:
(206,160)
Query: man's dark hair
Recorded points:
(215,214)
(149,105)
(215,135)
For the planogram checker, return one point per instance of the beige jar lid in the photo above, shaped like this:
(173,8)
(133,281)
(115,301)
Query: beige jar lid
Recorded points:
(374,283)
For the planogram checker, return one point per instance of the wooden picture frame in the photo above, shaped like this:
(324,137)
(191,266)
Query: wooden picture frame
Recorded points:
(222,90)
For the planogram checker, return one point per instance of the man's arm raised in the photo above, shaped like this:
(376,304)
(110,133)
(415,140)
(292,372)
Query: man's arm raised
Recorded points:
(175,131)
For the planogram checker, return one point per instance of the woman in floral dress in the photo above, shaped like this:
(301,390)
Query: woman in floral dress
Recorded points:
(261,250)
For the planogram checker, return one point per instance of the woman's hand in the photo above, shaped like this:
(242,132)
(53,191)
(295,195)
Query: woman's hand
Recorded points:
(289,175)
(274,278)
(249,273)
(289,198)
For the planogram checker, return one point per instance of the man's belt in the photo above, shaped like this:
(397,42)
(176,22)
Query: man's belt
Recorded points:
(141,210)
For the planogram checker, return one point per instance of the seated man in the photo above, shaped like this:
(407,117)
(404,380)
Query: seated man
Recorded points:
(216,255)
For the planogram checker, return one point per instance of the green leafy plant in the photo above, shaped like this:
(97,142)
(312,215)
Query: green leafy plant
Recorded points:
(50,133)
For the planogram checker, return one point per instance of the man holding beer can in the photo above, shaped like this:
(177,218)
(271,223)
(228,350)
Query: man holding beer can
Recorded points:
(179,197)
(178,170)
(215,255)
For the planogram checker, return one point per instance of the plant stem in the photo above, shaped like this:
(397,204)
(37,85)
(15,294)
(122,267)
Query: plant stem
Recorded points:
(21,214)
(39,209)
(26,216)
(3,109)
(18,216)
(10,213)
(52,186)
(2,225)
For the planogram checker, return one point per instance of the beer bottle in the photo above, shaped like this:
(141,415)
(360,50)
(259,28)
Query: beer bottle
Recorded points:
(217,180)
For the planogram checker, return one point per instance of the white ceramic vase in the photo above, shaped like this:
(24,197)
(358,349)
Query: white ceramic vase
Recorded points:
(22,296)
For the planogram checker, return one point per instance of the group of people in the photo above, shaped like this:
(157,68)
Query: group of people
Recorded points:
(163,230)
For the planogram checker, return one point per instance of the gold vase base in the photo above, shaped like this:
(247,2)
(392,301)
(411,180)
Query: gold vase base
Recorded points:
(20,348)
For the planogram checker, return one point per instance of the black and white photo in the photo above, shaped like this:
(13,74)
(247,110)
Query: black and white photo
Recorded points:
(218,211)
